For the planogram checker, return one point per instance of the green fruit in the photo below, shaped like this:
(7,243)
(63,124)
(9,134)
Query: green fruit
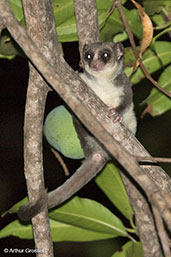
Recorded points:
(60,133)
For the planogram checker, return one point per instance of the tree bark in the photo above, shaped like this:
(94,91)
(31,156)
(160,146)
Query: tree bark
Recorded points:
(41,28)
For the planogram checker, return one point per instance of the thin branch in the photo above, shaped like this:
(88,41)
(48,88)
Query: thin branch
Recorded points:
(162,233)
(61,161)
(118,4)
(153,159)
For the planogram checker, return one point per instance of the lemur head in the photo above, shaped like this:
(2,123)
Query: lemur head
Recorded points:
(103,58)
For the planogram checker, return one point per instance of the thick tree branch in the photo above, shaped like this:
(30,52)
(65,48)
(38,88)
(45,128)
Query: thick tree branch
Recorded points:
(86,21)
(43,33)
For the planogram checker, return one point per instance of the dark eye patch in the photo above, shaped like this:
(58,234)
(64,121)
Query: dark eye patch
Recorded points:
(105,55)
(88,56)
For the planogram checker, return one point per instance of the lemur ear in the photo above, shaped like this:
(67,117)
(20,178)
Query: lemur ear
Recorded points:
(85,47)
(119,50)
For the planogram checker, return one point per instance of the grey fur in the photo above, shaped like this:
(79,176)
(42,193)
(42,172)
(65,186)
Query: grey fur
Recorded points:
(103,72)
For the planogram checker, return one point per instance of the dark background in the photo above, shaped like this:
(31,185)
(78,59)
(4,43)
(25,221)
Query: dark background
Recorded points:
(154,133)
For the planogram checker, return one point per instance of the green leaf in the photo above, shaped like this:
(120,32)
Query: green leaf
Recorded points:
(66,232)
(9,57)
(165,6)
(157,101)
(109,26)
(152,7)
(105,5)
(16,6)
(63,10)
(120,37)
(122,252)
(18,229)
(129,60)
(109,180)
(135,250)
(89,214)
(134,22)
(8,47)
(163,50)
(67,31)
(114,24)
(151,61)
(59,232)
(130,249)
(65,20)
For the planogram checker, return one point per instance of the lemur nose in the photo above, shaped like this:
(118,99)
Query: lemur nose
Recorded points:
(96,65)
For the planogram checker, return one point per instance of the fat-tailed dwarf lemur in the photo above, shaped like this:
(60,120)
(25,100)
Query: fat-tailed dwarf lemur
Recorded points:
(103,72)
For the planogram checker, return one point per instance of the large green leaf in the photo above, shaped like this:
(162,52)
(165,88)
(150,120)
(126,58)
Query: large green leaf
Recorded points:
(134,22)
(66,29)
(113,25)
(89,214)
(63,10)
(66,232)
(59,232)
(151,61)
(84,214)
(157,101)
(109,180)
(65,18)
(66,24)
(130,249)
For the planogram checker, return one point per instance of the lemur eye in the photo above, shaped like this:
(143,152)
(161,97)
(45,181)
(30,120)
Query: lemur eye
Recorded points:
(89,56)
(106,56)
